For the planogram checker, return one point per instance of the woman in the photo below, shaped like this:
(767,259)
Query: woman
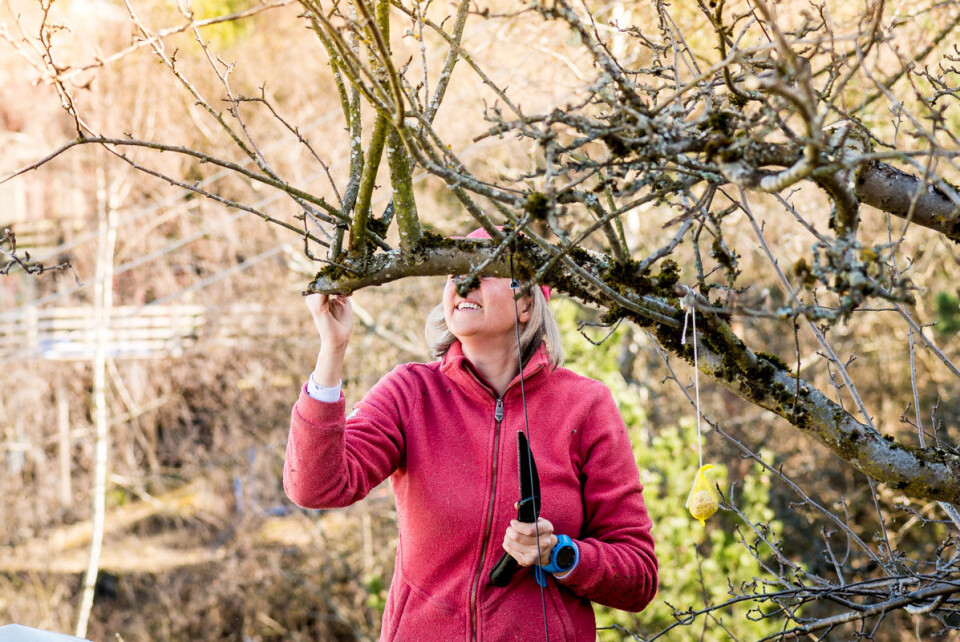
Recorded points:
(445,433)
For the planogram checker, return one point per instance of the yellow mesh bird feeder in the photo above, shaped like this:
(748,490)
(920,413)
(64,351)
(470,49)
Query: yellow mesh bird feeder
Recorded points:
(702,501)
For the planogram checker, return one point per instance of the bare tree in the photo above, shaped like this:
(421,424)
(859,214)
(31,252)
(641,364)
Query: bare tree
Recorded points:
(773,166)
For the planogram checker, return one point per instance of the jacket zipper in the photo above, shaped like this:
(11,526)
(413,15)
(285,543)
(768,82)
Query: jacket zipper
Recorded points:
(498,416)
(474,616)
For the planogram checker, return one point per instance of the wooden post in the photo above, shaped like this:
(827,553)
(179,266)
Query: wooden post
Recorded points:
(66,448)
(31,321)
(17,449)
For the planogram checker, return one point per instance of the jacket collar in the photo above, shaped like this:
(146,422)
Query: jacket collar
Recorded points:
(457,367)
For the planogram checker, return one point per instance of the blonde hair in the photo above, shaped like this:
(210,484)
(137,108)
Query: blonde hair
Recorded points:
(541,328)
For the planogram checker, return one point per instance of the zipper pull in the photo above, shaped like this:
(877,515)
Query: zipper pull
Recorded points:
(498,414)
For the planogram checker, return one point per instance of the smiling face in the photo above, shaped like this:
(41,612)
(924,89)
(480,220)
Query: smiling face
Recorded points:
(487,313)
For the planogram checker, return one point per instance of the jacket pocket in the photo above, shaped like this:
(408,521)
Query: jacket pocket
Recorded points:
(413,615)
(561,608)
(515,613)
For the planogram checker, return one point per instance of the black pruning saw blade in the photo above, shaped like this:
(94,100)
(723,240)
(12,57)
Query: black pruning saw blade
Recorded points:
(528,509)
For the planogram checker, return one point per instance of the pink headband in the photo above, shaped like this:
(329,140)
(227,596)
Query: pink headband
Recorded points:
(481,233)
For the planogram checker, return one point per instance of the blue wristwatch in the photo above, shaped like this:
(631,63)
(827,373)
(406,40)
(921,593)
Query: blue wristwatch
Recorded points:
(564,558)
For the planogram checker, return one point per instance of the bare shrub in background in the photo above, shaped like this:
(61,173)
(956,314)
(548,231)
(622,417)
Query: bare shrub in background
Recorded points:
(787,170)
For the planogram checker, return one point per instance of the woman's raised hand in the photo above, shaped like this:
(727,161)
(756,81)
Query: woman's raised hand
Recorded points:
(333,318)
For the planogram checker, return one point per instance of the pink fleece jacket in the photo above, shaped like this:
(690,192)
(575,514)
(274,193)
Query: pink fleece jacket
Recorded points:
(434,429)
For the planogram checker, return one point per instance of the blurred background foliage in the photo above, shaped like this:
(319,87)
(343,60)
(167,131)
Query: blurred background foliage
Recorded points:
(948,313)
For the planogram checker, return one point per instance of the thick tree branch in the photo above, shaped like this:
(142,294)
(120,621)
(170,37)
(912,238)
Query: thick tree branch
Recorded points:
(890,190)
(403,197)
(929,473)
(361,215)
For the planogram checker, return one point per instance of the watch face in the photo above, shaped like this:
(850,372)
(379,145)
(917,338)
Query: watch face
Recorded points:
(565,557)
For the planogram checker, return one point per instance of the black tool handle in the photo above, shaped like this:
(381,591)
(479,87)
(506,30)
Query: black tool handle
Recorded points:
(503,572)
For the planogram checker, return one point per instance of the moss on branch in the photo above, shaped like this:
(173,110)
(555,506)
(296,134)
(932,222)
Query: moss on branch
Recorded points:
(762,379)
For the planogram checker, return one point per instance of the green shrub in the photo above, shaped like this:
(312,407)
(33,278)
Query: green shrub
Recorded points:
(698,565)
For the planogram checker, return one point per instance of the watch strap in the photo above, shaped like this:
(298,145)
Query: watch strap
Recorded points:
(561,552)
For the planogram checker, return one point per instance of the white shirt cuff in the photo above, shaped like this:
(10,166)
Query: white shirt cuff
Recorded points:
(563,575)
(322,393)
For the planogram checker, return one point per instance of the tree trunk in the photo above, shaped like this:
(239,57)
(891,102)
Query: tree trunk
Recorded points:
(103,294)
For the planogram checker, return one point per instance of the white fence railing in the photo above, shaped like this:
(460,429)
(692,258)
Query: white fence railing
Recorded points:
(135,332)
(44,234)
(70,333)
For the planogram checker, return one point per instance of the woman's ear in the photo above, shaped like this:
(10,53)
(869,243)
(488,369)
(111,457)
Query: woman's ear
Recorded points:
(524,308)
